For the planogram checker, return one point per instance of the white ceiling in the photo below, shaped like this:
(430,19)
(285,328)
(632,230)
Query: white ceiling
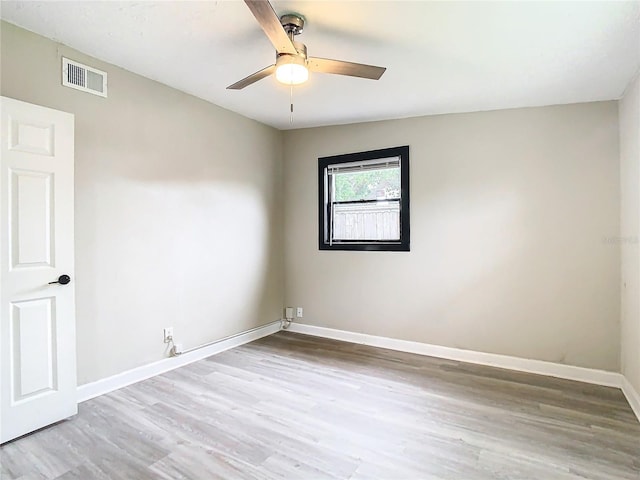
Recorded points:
(442,57)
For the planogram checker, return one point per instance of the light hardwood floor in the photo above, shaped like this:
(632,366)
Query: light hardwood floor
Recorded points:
(298,407)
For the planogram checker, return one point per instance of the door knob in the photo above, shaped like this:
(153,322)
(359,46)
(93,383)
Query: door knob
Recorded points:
(62,280)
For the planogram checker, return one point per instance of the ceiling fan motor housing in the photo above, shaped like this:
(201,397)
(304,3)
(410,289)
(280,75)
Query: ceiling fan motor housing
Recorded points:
(302,52)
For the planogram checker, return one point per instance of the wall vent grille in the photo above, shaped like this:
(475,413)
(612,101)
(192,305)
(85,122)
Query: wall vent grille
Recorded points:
(84,78)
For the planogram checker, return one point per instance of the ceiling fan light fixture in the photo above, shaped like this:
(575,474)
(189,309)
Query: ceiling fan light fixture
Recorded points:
(291,70)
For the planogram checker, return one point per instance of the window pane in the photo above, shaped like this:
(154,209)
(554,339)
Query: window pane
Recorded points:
(366,221)
(377,184)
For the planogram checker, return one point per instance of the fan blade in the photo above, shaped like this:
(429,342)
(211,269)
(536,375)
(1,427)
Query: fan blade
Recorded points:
(326,65)
(270,23)
(253,78)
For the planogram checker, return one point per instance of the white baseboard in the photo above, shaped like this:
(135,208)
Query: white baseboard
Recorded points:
(569,372)
(109,384)
(633,397)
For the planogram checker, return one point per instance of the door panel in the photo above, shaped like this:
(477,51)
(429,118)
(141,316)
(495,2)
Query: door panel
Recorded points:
(30,223)
(31,137)
(37,319)
(34,348)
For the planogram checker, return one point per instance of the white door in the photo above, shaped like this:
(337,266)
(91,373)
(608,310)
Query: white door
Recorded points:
(37,319)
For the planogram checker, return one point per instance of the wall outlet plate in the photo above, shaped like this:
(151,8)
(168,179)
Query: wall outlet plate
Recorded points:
(299,312)
(288,312)
(168,334)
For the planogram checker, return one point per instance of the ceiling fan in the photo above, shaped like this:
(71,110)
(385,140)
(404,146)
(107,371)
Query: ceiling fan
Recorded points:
(292,63)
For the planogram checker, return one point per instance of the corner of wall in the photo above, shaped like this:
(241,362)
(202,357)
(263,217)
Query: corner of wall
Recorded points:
(629,147)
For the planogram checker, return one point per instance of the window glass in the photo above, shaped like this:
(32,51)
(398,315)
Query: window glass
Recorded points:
(367,185)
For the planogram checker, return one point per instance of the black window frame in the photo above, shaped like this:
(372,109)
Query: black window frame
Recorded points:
(324,206)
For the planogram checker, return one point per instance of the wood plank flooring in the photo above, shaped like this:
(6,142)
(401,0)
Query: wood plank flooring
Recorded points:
(299,407)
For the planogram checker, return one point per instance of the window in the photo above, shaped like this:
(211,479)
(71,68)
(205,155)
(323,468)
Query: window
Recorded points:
(364,200)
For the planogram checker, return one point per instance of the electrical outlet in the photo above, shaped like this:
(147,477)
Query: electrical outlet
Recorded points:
(288,312)
(168,334)
(299,312)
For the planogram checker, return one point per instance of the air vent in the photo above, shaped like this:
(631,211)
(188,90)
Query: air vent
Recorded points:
(83,77)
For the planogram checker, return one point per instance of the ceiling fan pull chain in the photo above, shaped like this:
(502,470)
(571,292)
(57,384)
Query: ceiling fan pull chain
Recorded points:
(291,104)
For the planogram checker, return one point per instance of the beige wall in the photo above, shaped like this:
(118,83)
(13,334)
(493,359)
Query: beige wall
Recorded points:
(514,226)
(630,232)
(178,210)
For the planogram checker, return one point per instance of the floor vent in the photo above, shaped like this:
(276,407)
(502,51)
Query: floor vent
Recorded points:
(83,77)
